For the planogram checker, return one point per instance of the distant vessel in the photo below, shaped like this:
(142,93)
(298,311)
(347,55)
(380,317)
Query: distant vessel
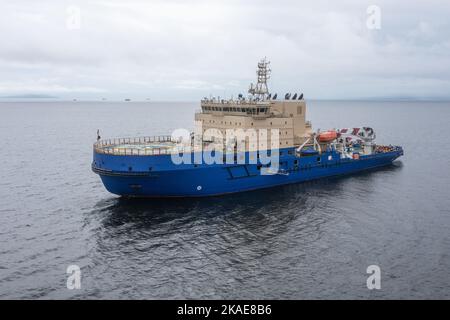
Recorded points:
(279,147)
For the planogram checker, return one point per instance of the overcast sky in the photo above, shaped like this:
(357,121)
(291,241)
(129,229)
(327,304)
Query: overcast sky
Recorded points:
(184,50)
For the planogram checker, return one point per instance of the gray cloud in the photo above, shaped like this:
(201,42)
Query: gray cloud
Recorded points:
(186,50)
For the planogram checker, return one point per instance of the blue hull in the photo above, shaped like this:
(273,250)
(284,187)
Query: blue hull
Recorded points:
(157,176)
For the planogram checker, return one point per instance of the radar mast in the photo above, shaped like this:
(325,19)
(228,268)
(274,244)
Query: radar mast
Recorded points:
(260,91)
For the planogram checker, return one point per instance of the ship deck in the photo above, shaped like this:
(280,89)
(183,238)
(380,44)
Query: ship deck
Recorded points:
(160,145)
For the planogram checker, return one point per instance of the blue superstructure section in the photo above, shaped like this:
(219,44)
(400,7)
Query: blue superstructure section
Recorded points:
(158,176)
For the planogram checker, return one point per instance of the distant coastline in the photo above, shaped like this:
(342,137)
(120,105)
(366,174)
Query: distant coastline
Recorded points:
(29,96)
(51,98)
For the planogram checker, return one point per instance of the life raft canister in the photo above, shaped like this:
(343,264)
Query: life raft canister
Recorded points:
(327,136)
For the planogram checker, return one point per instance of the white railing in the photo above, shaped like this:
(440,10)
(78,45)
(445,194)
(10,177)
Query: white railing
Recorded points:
(137,140)
(118,146)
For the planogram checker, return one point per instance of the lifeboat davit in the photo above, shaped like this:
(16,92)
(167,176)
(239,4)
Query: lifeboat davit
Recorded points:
(327,136)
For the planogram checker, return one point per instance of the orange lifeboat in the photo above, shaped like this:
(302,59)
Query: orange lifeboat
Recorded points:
(327,136)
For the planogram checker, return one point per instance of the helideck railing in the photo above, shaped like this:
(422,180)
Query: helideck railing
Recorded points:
(154,145)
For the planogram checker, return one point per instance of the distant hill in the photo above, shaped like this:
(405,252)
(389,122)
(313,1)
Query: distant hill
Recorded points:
(29,96)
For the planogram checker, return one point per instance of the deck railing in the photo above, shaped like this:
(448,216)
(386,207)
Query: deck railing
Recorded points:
(118,146)
(136,140)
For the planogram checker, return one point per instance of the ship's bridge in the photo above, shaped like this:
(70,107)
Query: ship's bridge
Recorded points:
(236,107)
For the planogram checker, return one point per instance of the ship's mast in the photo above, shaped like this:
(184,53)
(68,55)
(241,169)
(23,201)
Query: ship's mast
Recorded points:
(260,91)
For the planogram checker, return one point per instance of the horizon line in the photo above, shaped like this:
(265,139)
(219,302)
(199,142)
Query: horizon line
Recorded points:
(130,100)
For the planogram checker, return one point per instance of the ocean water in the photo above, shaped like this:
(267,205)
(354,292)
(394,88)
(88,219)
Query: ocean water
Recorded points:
(313,240)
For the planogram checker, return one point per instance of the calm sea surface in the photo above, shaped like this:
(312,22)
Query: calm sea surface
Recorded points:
(312,240)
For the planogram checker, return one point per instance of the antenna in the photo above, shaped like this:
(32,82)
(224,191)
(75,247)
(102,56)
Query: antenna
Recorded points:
(251,89)
(261,90)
